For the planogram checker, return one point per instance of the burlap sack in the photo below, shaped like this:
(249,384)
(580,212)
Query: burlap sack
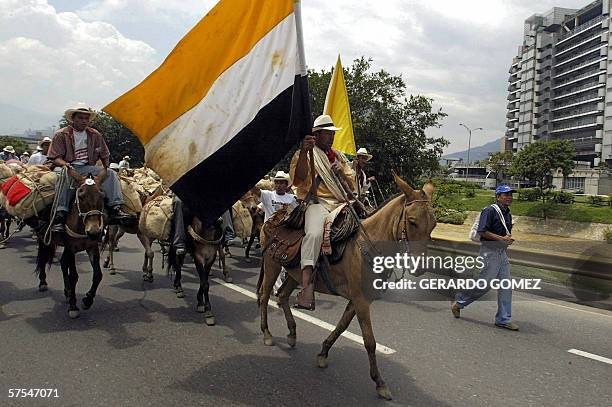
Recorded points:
(241,218)
(6,172)
(156,218)
(266,184)
(41,181)
(131,197)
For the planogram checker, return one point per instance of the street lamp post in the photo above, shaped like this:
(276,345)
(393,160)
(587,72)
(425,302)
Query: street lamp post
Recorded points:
(467,169)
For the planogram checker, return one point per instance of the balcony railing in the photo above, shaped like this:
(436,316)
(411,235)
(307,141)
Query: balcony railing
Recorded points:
(577,101)
(590,121)
(582,27)
(592,72)
(576,67)
(577,89)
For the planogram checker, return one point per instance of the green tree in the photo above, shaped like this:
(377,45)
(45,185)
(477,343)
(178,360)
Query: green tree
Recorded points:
(120,140)
(18,144)
(538,160)
(387,121)
(500,162)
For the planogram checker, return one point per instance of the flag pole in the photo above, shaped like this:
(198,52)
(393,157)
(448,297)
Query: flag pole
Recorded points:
(303,71)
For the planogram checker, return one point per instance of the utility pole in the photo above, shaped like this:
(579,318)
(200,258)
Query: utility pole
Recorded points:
(467,169)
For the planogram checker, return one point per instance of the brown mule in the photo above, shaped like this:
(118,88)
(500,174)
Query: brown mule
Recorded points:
(408,216)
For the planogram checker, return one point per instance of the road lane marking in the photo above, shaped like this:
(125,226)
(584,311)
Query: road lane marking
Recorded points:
(308,318)
(590,356)
(575,309)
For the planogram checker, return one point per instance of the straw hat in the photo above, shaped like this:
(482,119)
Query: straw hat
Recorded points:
(282,176)
(9,149)
(79,108)
(363,152)
(324,122)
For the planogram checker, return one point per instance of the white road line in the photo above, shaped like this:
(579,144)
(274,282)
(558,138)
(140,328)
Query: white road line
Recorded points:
(308,318)
(575,309)
(590,356)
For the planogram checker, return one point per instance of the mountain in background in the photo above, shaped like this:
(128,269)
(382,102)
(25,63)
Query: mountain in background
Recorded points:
(478,153)
(15,120)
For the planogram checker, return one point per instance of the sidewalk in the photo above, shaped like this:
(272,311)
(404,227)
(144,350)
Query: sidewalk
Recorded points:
(557,245)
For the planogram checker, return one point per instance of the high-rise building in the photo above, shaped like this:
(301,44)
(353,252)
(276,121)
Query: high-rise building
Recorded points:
(560,89)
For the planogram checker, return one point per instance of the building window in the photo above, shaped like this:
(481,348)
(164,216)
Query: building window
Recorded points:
(575,183)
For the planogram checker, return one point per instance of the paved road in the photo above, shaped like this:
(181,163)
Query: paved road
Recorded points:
(139,345)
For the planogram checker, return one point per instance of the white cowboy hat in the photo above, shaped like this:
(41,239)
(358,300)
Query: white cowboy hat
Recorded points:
(9,149)
(79,108)
(25,153)
(127,157)
(282,176)
(113,166)
(362,151)
(324,122)
(45,140)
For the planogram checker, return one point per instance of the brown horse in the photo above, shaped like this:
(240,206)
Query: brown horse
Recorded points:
(408,216)
(84,227)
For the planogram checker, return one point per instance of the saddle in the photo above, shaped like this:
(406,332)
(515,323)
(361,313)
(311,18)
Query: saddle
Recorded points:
(284,240)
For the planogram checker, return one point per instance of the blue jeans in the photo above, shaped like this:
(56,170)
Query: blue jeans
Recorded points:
(496,266)
(111,187)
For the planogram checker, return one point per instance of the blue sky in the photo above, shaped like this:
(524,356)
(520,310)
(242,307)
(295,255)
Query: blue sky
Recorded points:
(57,52)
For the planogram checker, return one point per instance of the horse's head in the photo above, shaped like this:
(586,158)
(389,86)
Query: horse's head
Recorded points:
(89,202)
(250,202)
(417,219)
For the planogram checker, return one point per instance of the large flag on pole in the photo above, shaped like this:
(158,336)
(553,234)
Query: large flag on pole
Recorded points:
(337,106)
(226,105)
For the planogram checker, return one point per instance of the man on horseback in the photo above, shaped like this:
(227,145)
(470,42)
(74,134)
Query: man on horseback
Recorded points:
(79,146)
(330,166)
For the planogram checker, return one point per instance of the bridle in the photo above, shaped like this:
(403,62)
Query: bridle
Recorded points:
(404,232)
(83,216)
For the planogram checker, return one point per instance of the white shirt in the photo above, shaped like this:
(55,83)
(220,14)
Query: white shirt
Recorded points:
(37,159)
(272,202)
(80,148)
(124,164)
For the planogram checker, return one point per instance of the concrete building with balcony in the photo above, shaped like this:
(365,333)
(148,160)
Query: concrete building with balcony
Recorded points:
(560,87)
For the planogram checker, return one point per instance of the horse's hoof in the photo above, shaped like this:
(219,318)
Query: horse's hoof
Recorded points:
(248,260)
(322,361)
(43,287)
(148,277)
(291,340)
(180,293)
(268,341)
(87,302)
(209,318)
(112,271)
(73,313)
(384,392)
(228,279)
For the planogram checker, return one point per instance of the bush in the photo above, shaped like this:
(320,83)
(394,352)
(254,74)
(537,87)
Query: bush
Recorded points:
(607,234)
(561,197)
(610,200)
(596,200)
(529,194)
(450,216)
(470,193)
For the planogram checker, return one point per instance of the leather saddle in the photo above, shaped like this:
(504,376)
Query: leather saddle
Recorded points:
(283,241)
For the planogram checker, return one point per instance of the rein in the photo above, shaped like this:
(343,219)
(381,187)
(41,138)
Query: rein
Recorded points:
(403,236)
(200,239)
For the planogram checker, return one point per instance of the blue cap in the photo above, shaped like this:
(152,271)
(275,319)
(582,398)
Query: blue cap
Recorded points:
(503,189)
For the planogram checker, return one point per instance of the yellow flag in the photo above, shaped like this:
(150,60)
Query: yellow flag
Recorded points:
(337,106)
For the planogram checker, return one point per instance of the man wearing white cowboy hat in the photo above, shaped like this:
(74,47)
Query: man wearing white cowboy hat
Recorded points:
(25,157)
(79,146)
(8,153)
(40,156)
(125,163)
(329,164)
(273,201)
(361,180)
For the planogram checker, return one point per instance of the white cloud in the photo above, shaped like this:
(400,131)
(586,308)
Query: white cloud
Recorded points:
(52,59)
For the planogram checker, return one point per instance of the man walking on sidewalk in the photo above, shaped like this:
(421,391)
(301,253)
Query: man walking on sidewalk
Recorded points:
(494,228)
